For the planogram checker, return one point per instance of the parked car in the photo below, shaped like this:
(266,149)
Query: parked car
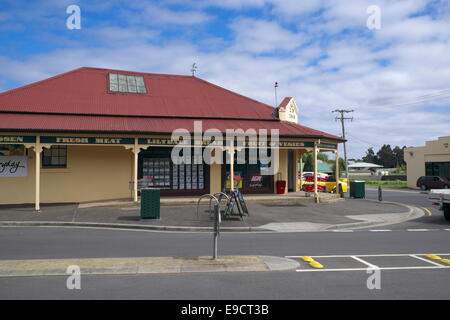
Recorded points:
(331,184)
(433,182)
(324,180)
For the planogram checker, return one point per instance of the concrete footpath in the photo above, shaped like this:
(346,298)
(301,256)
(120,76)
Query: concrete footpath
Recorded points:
(151,265)
(264,217)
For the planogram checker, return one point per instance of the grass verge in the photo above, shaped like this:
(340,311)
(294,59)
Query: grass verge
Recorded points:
(388,184)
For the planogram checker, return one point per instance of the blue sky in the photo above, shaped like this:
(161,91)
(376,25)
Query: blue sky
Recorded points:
(397,78)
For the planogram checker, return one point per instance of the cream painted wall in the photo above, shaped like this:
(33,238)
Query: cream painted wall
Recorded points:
(215,178)
(282,168)
(92,173)
(433,151)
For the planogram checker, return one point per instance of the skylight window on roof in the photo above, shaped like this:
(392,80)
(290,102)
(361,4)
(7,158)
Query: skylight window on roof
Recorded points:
(113,82)
(140,85)
(131,84)
(123,86)
(127,84)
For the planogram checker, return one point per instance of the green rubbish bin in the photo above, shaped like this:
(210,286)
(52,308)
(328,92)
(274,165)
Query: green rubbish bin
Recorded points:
(357,189)
(150,204)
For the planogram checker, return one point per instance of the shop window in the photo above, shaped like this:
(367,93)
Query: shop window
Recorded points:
(247,176)
(438,169)
(12,150)
(158,171)
(55,157)
(428,169)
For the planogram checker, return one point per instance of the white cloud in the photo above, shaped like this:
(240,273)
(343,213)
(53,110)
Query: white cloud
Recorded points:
(259,36)
(116,35)
(153,14)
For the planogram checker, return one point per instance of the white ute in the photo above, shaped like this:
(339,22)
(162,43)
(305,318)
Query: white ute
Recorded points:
(441,198)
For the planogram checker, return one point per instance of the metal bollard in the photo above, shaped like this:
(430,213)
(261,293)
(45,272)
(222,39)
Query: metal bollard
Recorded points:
(217,221)
(341,190)
(380,194)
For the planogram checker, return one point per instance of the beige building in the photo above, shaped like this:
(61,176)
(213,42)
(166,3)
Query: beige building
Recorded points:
(431,160)
(96,134)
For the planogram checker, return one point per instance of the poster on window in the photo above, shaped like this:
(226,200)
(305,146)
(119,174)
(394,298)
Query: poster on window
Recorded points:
(175,177)
(181,177)
(237,180)
(256,181)
(13,166)
(194,176)
(188,177)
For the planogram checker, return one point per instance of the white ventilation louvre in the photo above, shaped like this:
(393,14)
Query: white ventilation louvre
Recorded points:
(126,84)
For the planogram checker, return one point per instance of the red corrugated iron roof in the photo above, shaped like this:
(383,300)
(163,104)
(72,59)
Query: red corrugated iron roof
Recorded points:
(80,101)
(78,123)
(285,102)
(86,91)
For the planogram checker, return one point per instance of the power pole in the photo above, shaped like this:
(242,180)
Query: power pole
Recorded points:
(342,119)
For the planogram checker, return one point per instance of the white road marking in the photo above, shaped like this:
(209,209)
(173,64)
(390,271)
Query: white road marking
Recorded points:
(382,230)
(372,266)
(370,255)
(357,257)
(417,230)
(426,260)
(342,230)
(364,269)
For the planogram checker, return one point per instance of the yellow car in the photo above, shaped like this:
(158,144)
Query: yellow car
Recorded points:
(330,184)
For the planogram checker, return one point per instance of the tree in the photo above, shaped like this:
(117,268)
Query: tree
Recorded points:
(309,162)
(323,157)
(371,157)
(399,156)
(386,157)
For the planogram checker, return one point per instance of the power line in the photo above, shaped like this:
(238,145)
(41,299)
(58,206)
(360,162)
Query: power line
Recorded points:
(342,119)
(367,142)
(440,95)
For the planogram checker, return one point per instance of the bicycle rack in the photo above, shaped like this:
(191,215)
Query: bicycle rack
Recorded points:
(217,219)
(219,197)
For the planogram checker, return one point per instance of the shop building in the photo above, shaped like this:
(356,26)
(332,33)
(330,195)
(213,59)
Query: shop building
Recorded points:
(96,134)
(433,159)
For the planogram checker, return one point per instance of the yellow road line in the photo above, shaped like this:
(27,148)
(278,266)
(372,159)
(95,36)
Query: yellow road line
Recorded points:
(307,259)
(427,211)
(316,265)
(433,257)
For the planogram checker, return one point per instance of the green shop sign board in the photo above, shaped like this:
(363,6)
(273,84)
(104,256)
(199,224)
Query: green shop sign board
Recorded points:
(17,139)
(160,142)
(86,140)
